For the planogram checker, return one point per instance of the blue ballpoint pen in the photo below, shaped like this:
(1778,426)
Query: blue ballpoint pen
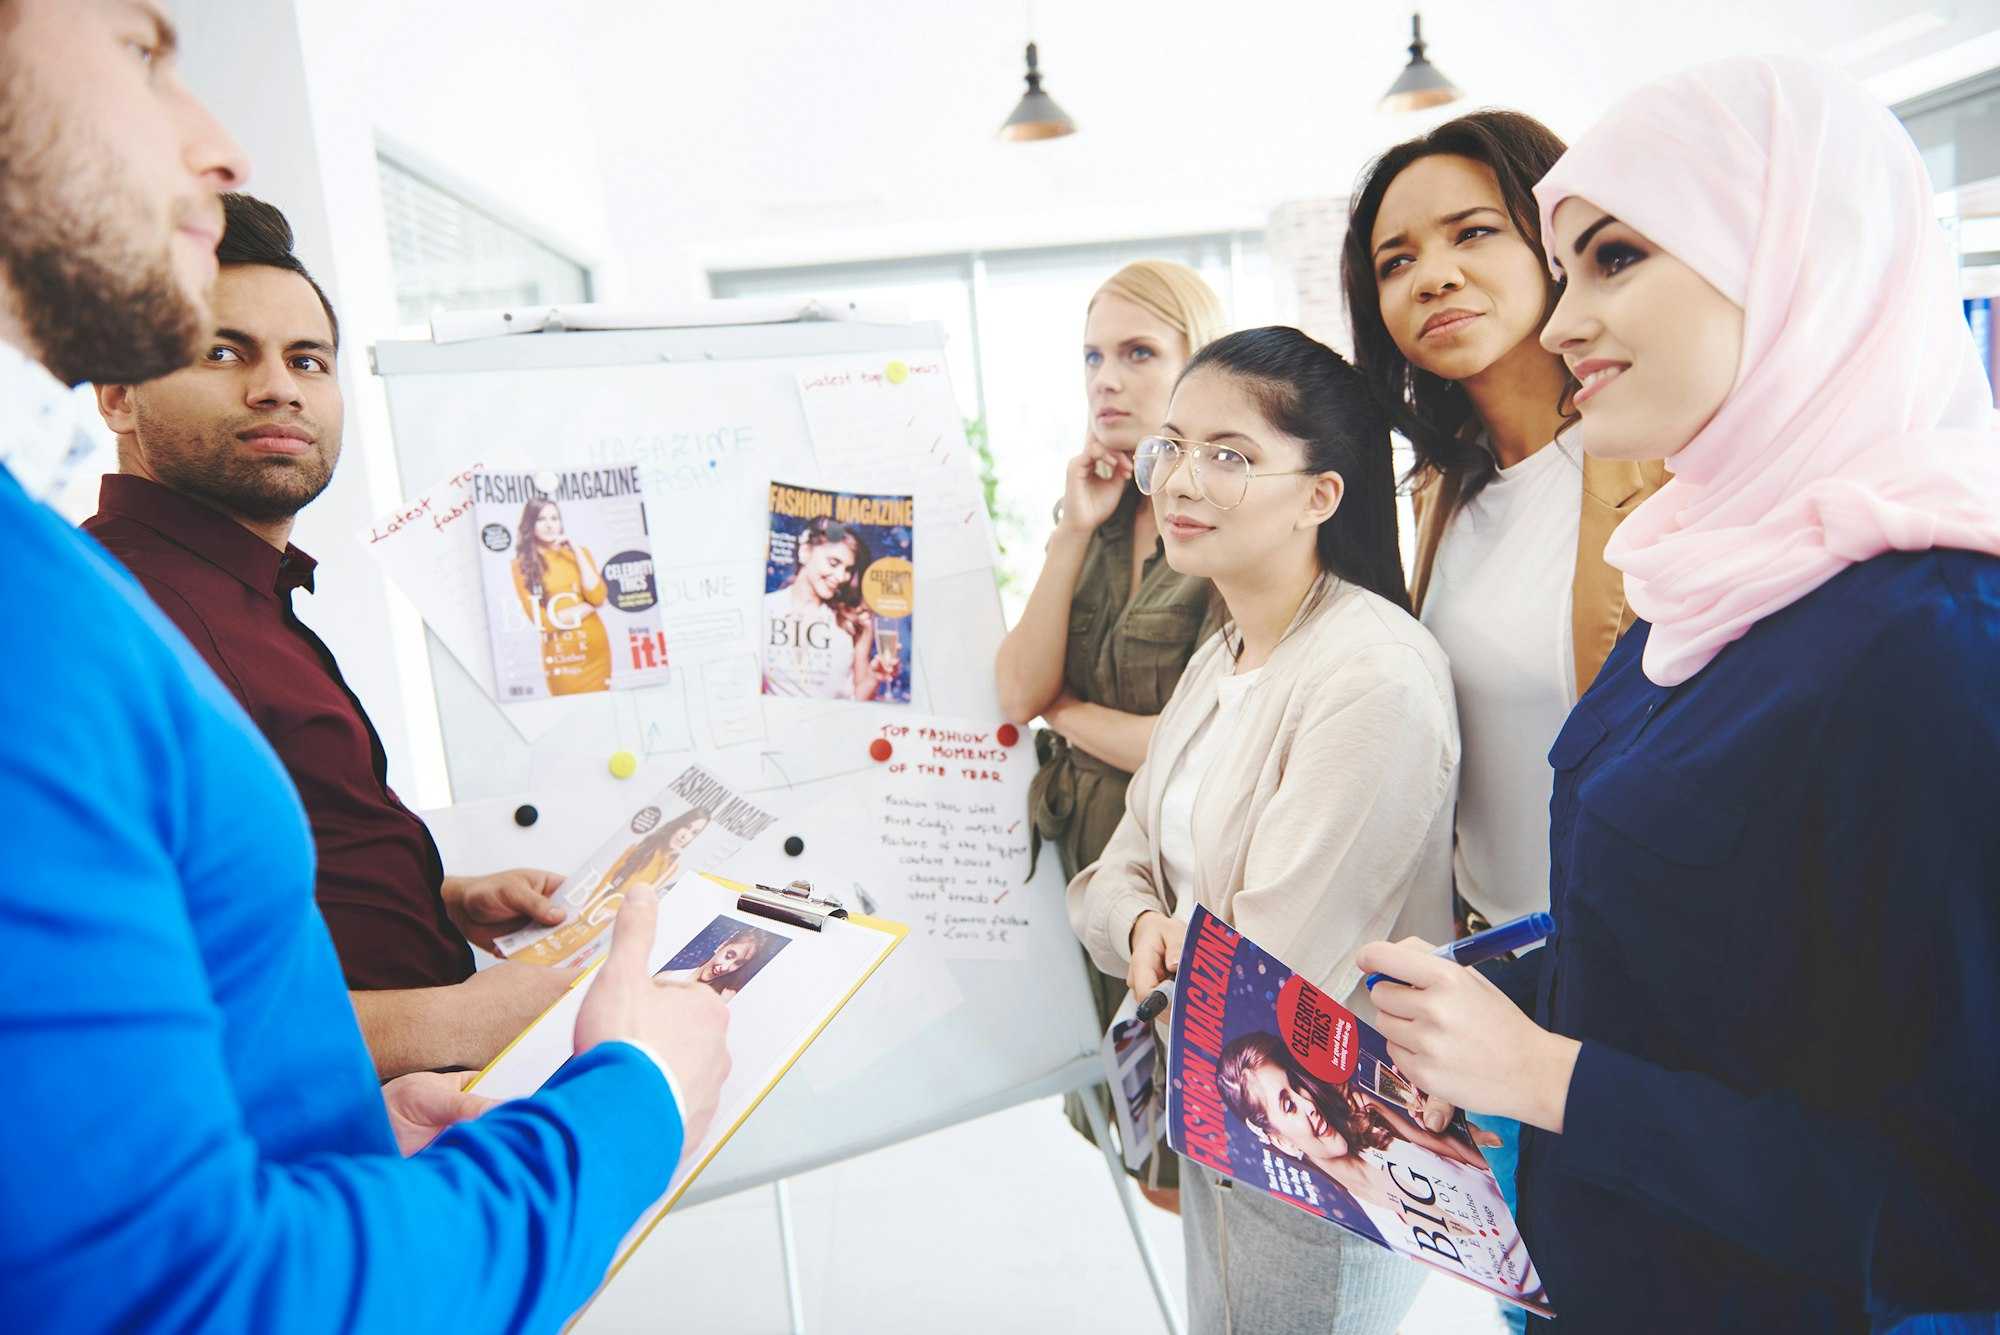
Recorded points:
(1490,944)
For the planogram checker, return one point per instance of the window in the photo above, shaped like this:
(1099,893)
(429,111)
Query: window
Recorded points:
(1013,321)
(449,254)
(1957,129)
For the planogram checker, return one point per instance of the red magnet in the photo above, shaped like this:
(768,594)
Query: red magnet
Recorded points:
(1008,734)
(880,750)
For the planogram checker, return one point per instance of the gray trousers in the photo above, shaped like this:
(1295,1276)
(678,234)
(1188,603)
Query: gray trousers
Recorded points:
(1257,1266)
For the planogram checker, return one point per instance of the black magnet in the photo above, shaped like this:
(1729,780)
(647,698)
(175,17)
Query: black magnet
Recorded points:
(525,815)
(795,846)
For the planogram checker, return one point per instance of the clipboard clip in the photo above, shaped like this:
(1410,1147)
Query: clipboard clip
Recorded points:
(798,904)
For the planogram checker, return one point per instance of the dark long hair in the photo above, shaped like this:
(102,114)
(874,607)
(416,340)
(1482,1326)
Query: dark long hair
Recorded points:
(1430,411)
(1307,390)
(529,556)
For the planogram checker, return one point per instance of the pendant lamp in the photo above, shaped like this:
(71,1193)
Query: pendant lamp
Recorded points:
(1420,85)
(1036,116)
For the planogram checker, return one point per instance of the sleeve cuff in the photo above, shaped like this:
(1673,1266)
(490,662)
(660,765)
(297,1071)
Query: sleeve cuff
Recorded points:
(673,1085)
(1607,1112)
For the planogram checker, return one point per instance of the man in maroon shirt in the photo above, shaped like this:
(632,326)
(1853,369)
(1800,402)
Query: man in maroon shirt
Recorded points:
(214,463)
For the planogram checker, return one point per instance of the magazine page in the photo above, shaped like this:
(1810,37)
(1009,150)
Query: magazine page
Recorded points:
(695,821)
(1131,1060)
(572,603)
(1274,1084)
(839,595)
(783,984)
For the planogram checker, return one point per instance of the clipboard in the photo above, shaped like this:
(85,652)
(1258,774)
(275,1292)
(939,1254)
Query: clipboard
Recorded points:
(837,952)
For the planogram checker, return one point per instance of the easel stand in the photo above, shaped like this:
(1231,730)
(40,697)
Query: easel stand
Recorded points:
(1121,1182)
(788,1246)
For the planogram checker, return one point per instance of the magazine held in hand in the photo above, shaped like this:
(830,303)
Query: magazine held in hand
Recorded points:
(572,604)
(695,816)
(1275,1085)
(839,595)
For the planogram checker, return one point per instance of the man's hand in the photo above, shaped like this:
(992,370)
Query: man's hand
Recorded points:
(686,1025)
(423,1104)
(1156,951)
(486,907)
(1460,1039)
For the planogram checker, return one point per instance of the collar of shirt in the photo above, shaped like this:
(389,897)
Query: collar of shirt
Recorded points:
(209,534)
(42,442)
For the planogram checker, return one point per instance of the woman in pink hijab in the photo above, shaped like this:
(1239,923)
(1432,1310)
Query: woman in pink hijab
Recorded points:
(1761,1063)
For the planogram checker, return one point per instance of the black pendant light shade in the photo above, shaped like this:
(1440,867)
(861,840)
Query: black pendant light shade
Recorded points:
(1420,85)
(1037,116)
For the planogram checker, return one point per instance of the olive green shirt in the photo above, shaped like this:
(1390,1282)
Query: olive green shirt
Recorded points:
(1125,654)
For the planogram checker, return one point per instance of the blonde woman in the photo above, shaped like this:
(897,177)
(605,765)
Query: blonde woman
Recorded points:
(1110,625)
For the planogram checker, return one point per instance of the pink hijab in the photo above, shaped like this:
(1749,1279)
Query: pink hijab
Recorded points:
(1861,421)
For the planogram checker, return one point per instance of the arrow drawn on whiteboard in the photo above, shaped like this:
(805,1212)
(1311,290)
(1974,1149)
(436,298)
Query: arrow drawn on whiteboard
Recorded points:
(771,762)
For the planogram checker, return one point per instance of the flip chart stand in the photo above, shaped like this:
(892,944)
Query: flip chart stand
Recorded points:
(788,1248)
(1121,1182)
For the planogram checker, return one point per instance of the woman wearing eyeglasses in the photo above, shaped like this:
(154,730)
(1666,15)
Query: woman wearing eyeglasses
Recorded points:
(1110,624)
(1300,781)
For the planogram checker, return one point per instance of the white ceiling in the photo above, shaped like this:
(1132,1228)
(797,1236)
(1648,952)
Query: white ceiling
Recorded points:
(660,133)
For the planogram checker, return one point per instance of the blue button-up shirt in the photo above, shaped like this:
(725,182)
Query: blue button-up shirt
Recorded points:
(1778,888)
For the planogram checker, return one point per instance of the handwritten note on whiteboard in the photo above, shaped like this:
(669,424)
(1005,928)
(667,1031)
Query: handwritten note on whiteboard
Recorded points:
(425,547)
(950,818)
(864,411)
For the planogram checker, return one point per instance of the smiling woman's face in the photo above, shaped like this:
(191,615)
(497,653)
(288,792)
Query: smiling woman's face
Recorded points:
(1654,347)
(1280,508)
(548,525)
(732,956)
(827,567)
(1290,1118)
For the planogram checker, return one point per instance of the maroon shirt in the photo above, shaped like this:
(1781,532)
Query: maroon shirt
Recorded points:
(230,592)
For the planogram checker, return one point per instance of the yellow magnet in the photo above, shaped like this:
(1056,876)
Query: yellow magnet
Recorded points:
(624,764)
(897,372)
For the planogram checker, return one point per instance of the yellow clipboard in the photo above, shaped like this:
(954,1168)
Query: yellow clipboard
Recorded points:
(893,934)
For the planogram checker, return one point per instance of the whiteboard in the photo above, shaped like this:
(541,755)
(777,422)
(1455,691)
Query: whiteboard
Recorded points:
(711,415)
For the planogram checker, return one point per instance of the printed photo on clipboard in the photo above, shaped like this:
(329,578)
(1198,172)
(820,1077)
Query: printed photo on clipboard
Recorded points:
(803,975)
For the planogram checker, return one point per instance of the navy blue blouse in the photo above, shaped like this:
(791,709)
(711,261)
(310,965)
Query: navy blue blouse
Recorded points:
(1778,888)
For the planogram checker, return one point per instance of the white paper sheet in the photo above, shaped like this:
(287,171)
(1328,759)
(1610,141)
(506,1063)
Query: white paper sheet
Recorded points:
(900,407)
(425,547)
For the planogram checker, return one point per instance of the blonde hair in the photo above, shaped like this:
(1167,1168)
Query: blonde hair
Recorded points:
(1172,293)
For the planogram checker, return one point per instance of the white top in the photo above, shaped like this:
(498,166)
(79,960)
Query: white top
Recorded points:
(806,653)
(1177,857)
(1499,603)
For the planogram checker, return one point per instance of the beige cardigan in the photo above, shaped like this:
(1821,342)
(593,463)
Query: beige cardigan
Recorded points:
(1325,821)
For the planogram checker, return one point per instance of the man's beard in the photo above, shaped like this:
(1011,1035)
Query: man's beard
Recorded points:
(213,467)
(98,303)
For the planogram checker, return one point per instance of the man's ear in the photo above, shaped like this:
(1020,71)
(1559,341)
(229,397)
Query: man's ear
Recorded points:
(114,405)
(1323,499)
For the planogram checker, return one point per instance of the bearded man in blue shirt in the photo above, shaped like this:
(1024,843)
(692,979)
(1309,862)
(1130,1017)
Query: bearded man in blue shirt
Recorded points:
(196,1136)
